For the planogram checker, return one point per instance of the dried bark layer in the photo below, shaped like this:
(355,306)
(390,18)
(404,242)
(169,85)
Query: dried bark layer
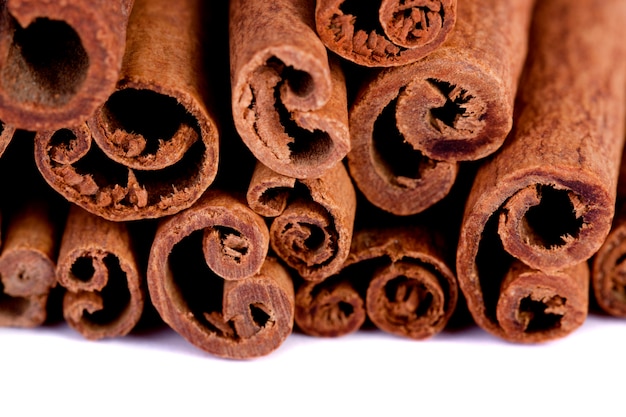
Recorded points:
(98,266)
(60,60)
(289,101)
(409,125)
(6,135)
(314,218)
(547,199)
(608,276)
(245,312)
(155,142)
(27,266)
(411,291)
(384,33)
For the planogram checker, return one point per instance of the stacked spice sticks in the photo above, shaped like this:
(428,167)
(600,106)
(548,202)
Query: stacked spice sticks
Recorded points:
(320,185)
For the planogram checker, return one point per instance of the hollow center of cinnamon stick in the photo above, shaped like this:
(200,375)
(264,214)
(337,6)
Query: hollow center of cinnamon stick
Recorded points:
(46,63)
(83,269)
(453,109)
(553,220)
(537,315)
(366,16)
(393,152)
(146,113)
(407,297)
(115,295)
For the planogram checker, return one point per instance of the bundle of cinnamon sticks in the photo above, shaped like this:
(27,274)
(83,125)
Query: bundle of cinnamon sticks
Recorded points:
(249,168)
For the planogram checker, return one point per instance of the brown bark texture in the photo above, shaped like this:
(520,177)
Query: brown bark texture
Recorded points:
(6,135)
(243,312)
(59,61)
(152,149)
(98,267)
(313,218)
(384,33)
(27,264)
(411,290)
(409,125)
(547,198)
(289,100)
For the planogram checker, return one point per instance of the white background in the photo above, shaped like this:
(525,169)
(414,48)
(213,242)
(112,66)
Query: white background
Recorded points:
(466,372)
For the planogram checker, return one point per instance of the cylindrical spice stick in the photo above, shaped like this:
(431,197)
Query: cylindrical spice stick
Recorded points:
(246,314)
(409,125)
(411,291)
(547,198)
(314,218)
(289,102)
(155,143)
(27,264)
(384,33)
(608,274)
(98,266)
(59,60)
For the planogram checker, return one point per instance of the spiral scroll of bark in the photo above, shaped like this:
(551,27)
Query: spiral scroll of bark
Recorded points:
(313,219)
(245,311)
(384,33)
(410,125)
(59,60)
(411,290)
(289,101)
(547,198)
(27,265)
(152,149)
(98,267)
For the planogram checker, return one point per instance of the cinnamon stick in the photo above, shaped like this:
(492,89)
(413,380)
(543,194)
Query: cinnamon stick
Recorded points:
(98,266)
(152,149)
(6,134)
(410,289)
(547,198)
(384,33)
(245,311)
(289,100)
(409,125)
(60,60)
(313,218)
(27,265)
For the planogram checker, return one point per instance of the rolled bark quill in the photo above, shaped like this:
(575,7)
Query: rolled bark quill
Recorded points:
(27,266)
(98,267)
(314,218)
(411,291)
(608,273)
(409,125)
(547,198)
(397,33)
(59,61)
(289,102)
(246,314)
(155,143)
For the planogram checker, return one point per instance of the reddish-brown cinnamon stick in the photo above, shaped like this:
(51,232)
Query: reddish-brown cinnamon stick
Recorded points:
(155,143)
(27,265)
(608,275)
(59,60)
(411,292)
(456,104)
(384,33)
(314,218)
(98,266)
(548,197)
(289,103)
(248,314)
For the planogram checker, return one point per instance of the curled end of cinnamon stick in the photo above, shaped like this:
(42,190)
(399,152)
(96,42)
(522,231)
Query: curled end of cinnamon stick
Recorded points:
(329,308)
(535,306)
(609,273)
(61,61)
(396,34)
(410,300)
(98,268)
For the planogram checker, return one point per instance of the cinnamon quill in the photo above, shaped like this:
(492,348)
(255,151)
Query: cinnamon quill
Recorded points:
(59,61)
(544,204)
(152,149)
(289,99)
